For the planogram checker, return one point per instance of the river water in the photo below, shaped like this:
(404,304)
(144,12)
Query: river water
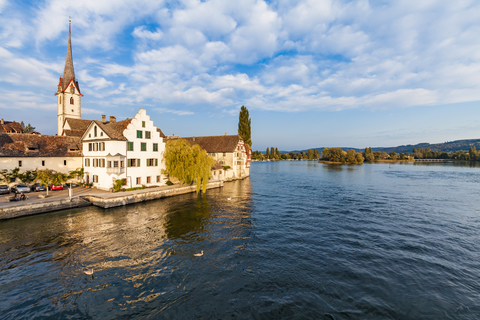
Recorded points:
(296,240)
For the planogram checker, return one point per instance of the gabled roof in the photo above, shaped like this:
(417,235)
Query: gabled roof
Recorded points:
(33,145)
(11,127)
(77,127)
(161,133)
(214,144)
(114,130)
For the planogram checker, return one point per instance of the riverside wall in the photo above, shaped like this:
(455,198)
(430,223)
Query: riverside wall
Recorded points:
(108,200)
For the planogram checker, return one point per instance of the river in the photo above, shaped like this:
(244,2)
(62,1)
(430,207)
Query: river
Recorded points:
(296,240)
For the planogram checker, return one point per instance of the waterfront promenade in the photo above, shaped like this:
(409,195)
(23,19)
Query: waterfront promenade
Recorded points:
(82,197)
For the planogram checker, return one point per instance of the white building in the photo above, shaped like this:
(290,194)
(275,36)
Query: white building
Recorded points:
(131,149)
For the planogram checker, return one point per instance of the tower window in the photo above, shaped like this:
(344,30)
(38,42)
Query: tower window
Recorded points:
(95,131)
(72,110)
(71,100)
(60,99)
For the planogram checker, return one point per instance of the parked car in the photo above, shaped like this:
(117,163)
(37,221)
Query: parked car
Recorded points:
(20,188)
(54,187)
(38,187)
(4,189)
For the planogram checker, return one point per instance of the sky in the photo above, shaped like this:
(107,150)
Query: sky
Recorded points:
(312,73)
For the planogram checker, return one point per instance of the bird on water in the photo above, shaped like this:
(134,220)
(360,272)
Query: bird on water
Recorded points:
(89,272)
(198,254)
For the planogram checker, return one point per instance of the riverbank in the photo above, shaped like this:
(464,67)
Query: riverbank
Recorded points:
(9,210)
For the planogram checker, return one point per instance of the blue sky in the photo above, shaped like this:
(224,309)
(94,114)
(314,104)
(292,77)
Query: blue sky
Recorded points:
(312,73)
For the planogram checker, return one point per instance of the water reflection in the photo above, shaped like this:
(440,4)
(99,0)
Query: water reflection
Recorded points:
(140,253)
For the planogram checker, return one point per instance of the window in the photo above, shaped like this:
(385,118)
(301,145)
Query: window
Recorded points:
(95,131)
(60,99)
(101,133)
(147,134)
(71,100)
(143,124)
(103,146)
(156,162)
(64,162)
(139,134)
(87,162)
(121,164)
(103,163)
(152,162)
(109,164)
(90,148)
(149,180)
(155,147)
(94,163)
(89,135)
(224,154)
(95,178)
(43,163)
(139,180)
(115,164)
(133,163)
(129,146)
(158,178)
(19,163)
(143,146)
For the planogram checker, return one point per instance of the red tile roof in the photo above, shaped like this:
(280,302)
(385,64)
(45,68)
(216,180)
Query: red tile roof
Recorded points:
(214,144)
(33,145)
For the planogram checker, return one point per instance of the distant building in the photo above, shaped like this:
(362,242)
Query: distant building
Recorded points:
(10,127)
(232,155)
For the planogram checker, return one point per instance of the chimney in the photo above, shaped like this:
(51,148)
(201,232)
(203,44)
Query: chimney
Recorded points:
(104,118)
(193,138)
(2,122)
(113,119)
(225,133)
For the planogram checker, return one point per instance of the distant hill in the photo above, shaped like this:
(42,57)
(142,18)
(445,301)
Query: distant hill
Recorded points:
(448,146)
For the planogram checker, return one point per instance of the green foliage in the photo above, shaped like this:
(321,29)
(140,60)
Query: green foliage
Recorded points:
(45,176)
(310,154)
(226,167)
(188,164)
(27,176)
(256,155)
(244,126)
(76,174)
(267,154)
(340,156)
(136,188)
(169,183)
(28,128)
(118,185)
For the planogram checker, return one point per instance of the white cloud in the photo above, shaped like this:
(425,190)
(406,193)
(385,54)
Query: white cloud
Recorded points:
(177,112)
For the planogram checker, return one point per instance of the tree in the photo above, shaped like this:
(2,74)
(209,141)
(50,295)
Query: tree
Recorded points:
(76,174)
(473,153)
(244,126)
(28,128)
(188,164)
(310,154)
(272,153)
(45,176)
(267,154)
(28,176)
(316,154)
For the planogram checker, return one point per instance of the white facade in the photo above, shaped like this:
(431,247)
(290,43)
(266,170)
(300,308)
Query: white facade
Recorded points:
(59,164)
(135,156)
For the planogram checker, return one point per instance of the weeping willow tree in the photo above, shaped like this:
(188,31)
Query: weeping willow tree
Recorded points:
(188,163)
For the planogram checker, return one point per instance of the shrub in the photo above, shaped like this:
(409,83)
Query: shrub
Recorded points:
(118,185)
(169,183)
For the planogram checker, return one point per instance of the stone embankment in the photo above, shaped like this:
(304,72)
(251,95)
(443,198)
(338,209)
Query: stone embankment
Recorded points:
(105,200)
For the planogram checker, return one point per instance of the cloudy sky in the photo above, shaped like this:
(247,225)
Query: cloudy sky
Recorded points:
(312,73)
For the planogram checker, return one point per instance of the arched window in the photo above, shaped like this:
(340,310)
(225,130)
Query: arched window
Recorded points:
(60,99)
(71,100)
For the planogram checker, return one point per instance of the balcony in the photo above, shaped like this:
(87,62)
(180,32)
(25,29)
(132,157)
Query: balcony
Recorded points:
(116,171)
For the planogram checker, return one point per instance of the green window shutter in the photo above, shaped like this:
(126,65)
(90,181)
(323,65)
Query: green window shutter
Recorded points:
(129,146)
(143,124)
(144,146)
(155,147)
(147,134)
(138,162)
(147,163)
(139,134)
(129,163)
(90,147)
(156,162)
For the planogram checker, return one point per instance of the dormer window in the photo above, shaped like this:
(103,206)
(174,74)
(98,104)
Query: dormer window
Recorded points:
(71,100)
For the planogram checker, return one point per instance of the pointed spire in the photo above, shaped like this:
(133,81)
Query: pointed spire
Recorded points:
(68,72)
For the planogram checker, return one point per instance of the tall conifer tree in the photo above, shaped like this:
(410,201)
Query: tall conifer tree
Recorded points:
(244,129)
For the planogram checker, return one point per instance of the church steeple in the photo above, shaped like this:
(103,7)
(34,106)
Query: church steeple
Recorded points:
(69,97)
(68,72)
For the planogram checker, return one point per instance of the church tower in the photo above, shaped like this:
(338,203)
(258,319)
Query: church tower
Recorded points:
(68,92)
